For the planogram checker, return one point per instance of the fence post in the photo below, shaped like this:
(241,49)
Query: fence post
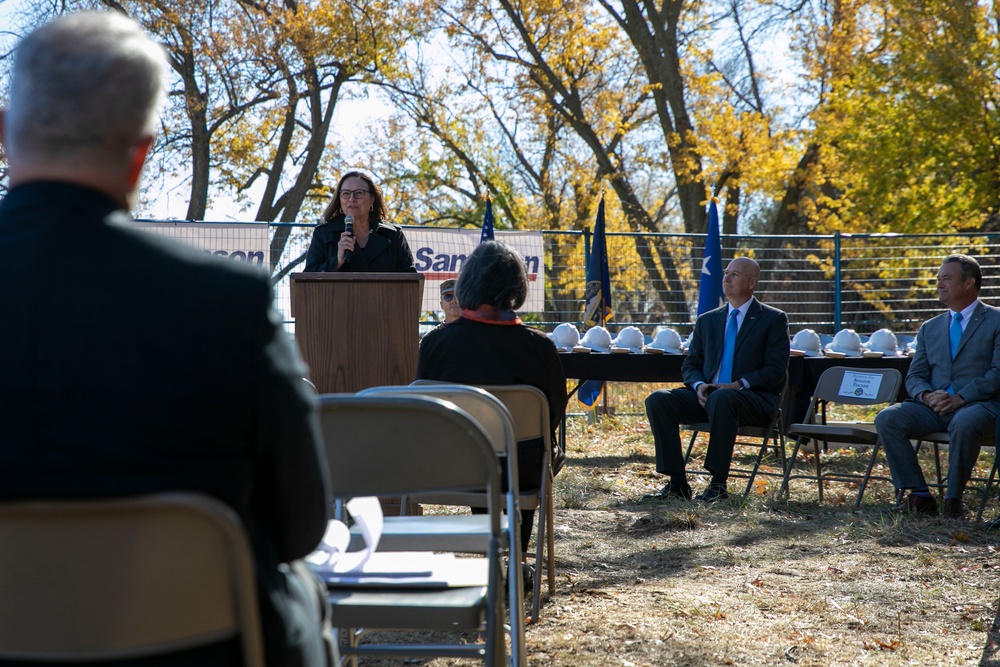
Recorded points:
(836,283)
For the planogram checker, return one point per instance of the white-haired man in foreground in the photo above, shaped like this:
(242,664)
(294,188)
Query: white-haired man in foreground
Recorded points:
(133,364)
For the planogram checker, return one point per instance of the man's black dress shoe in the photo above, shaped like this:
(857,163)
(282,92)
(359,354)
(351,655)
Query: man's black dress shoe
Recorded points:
(672,490)
(713,493)
(917,505)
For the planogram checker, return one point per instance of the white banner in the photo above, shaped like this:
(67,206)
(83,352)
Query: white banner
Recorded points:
(439,254)
(240,242)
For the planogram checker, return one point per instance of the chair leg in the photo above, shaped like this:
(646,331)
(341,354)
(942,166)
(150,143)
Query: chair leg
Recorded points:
(989,485)
(496,648)
(687,454)
(756,466)
(782,460)
(536,585)
(515,587)
(784,491)
(550,536)
(868,473)
(937,466)
(544,522)
(819,470)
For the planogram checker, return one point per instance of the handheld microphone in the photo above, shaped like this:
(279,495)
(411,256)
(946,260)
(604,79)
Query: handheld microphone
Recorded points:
(349,228)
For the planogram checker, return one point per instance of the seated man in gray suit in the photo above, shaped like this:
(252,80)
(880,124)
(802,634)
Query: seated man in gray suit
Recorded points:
(734,372)
(953,380)
(133,364)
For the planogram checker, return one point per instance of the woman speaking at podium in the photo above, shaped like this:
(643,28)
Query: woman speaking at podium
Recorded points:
(354,235)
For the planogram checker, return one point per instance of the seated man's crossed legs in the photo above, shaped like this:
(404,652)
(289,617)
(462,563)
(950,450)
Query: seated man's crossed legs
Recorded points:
(725,410)
(968,428)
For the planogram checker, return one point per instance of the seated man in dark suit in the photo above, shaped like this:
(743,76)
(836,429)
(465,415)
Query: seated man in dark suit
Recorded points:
(954,381)
(733,375)
(133,364)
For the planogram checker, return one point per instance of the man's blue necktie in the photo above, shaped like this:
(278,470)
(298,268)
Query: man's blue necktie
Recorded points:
(955,337)
(955,333)
(728,347)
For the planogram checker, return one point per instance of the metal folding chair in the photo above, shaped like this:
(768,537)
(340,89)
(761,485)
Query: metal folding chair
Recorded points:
(398,445)
(466,533)
(530,409)
(843,385)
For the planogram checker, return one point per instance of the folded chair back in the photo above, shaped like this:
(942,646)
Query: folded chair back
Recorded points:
(488,411)
(385,446)
(830,387)
(125,578)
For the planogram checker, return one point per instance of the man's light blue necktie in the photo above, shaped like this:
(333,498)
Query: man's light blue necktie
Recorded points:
(955,333)
(728,347)
(955,337)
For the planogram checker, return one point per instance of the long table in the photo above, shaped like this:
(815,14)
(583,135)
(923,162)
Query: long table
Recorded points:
(803,372)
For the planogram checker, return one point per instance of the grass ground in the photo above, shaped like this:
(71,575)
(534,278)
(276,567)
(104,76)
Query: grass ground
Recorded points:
(768,581)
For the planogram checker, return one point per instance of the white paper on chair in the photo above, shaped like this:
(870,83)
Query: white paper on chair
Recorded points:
(367,514)
(334,564)
(405,568)
(332,554)
(860,385)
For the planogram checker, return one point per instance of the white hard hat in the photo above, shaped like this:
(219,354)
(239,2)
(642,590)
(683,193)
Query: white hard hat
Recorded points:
(883,341)
(597,339)
(846,341)
(808,341)
(630,338)
(667,340)
(565,335)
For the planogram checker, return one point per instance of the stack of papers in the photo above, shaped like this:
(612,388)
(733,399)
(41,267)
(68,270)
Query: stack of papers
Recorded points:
(335,565)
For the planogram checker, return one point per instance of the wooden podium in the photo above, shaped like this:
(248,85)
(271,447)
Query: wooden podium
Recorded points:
(357,330)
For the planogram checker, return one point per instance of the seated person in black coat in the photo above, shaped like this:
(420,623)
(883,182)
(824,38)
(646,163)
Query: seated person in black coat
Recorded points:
(488,344)
(372,246)
(136,364)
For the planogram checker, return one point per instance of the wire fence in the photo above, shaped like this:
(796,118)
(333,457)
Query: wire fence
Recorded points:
(826,283)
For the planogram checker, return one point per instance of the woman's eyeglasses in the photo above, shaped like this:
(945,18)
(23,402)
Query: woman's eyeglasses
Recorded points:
(353,194)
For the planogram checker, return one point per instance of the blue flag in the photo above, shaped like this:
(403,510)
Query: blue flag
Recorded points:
(597,299)
(598,295)
(487,234)
(710,294)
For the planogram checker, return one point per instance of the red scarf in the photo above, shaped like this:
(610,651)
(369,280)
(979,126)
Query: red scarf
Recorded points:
(491,315)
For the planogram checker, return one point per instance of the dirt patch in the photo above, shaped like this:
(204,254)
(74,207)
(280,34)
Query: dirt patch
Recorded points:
(769,581)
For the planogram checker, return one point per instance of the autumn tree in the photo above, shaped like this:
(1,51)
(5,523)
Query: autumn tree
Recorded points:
(913,124)
(603,93)
(255,89)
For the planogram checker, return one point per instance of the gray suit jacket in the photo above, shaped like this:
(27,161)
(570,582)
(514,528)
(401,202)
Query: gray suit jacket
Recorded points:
(975,371)
(761,355)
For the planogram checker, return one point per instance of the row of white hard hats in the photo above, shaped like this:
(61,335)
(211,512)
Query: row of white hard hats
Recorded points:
(847,342)
(631,338)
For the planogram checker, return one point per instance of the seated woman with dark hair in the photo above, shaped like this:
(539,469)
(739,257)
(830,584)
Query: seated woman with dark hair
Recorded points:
(488,344)
(373,245)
